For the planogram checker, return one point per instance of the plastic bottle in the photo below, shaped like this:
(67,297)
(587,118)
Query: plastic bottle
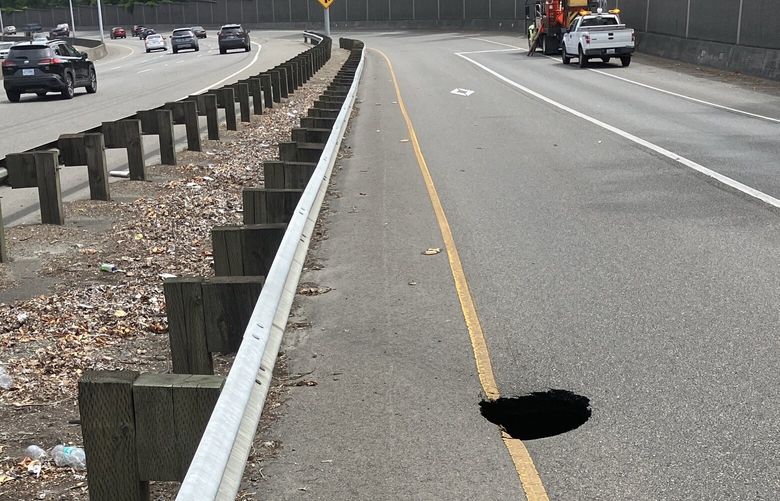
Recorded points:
(68,456)
(34,452)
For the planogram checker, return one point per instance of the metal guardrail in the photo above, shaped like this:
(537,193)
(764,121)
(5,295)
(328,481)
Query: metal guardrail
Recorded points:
(217,467)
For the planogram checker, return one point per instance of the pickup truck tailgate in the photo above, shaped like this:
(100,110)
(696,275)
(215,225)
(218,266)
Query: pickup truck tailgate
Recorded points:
(609,37)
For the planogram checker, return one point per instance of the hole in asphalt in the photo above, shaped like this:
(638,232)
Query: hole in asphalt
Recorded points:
(538,415)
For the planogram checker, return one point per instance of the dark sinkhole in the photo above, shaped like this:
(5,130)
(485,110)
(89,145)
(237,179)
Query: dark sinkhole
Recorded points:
(538,415)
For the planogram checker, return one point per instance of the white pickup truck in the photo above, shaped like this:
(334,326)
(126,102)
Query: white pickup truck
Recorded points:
(598,35)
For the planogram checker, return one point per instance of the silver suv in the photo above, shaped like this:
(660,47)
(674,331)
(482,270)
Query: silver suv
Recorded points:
(183,38)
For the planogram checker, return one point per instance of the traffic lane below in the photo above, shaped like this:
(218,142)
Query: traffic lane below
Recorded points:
(742,147)
(602,269)
(123,92)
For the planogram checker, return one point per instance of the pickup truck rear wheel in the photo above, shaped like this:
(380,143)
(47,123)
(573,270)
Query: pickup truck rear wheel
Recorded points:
(625,60)
(565,57)
(583,61)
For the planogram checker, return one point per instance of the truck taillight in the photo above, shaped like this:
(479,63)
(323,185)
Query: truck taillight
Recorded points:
(587,38)
(633,36)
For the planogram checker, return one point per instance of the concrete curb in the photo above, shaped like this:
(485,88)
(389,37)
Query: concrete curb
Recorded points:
(756,61)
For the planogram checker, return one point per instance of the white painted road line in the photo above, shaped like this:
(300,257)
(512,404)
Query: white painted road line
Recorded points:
(640,84)
(144,71)
(254,60)
(768,199)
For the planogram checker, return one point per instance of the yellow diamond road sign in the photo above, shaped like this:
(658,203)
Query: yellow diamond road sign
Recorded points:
(326,3)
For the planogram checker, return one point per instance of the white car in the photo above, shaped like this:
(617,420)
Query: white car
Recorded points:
(4,48)
(155,42)
(9,30)
(40,38)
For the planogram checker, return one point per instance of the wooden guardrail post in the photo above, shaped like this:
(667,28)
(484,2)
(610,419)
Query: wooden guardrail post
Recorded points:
(171,413)
(207,107)
(276,85)
(109,432)
(242,97)
(284,82)
(246,250)
(310,135)
(47,172)
(160,123)
(226,99)
(127,134)
(256,91)
(97,167)
(141,427)
(87,149)
(266,82)
(186,113)
(266,205)
(287,175)
(207,315)
(300,152)
(41,169)
(186,329)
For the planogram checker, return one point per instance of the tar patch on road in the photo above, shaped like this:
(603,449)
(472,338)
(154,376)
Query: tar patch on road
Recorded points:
(538,415)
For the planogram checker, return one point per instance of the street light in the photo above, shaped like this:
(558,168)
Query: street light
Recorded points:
(100,22)
(72,20)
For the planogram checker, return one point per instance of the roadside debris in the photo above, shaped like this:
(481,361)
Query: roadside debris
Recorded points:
(432,251)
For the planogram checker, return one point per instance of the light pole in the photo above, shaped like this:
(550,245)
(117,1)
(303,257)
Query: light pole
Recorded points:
(327,21)
(72,20)
(100,22)
(2,26)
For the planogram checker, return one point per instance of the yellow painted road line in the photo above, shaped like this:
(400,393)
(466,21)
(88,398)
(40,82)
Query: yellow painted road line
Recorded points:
(529,476)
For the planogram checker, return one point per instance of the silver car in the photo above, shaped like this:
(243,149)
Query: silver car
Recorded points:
(155,42)
(4,48)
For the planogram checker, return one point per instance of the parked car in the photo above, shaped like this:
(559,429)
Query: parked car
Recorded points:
(233,36)
(145,32)
(31,28)
(137,29)
(118,32)
(62,30)
(55,66)
(199,31)
(5,47)
(9,30)
(155,41)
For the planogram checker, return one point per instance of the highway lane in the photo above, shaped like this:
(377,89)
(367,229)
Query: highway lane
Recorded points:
(129,80)
(597,266)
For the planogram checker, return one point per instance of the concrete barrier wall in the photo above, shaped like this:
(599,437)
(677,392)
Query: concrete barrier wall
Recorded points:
(690,30)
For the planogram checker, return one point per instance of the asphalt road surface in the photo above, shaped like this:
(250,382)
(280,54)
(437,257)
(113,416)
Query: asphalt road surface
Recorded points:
(602,257)
(129,80)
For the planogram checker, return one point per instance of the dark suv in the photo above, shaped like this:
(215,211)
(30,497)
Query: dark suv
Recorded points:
(51,67)
(183,38)
(233,36)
